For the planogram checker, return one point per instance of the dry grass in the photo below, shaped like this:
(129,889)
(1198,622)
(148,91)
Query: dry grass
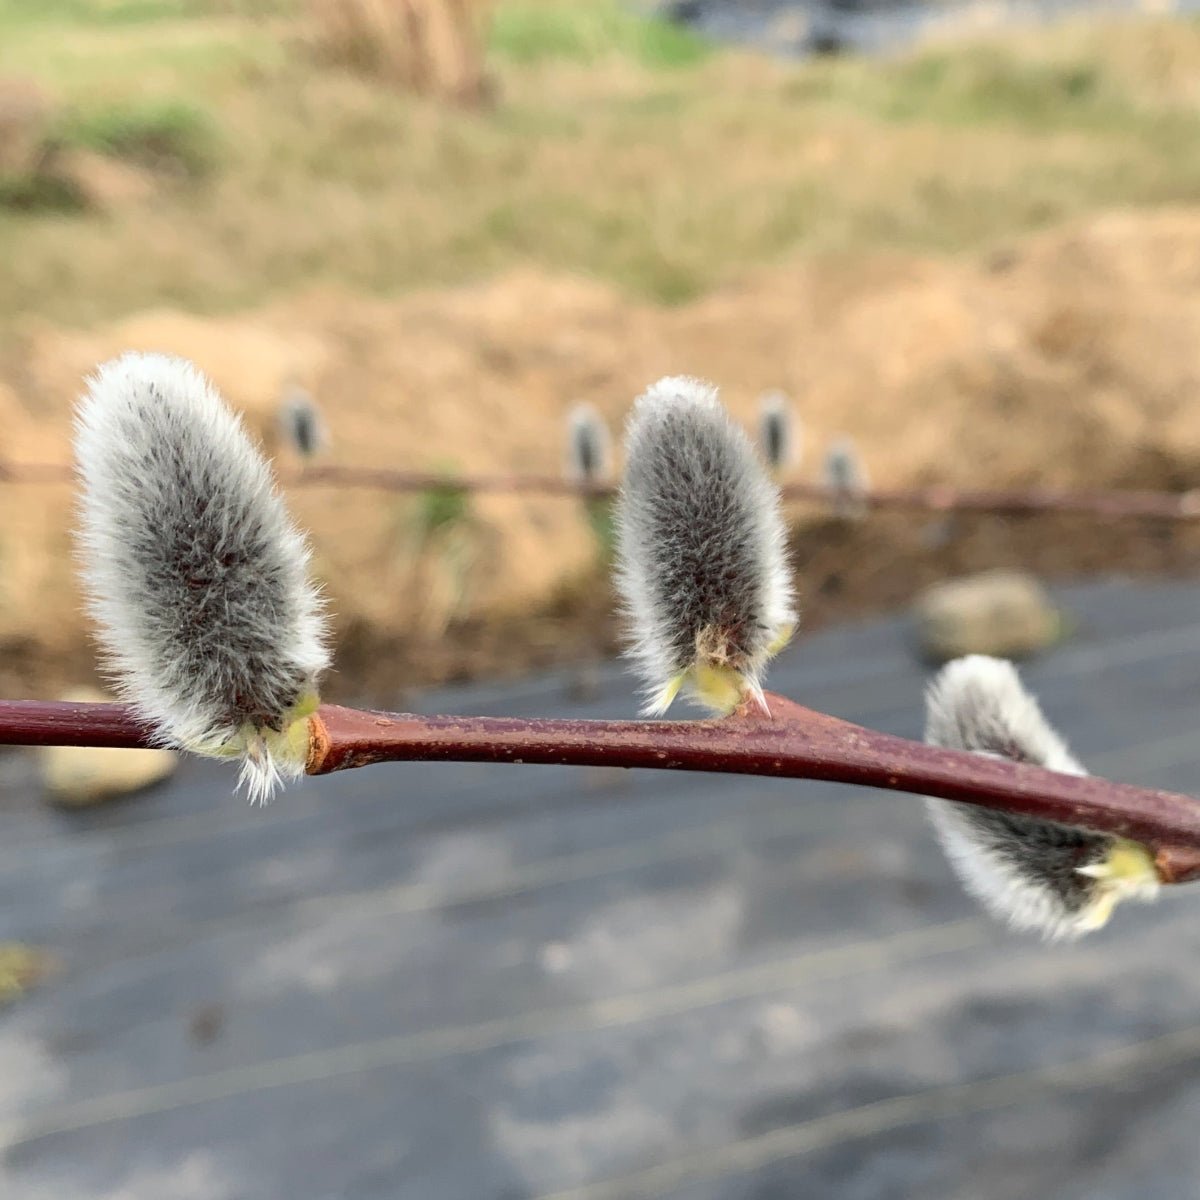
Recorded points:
(24,115)
(431,47)
(618,148)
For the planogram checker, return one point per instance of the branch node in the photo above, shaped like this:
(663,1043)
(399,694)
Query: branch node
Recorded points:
(318,745)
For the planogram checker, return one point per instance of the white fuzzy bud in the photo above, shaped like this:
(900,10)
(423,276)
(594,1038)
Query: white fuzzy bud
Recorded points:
(589,446)
(301,424)
(845,477)
(701,551)
(195,575)
(778,431)
(1057,879)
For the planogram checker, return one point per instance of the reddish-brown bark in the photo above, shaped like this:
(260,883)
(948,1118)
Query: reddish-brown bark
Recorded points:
(794,742)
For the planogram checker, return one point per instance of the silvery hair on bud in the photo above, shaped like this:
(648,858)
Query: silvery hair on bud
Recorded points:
(589,446)
(194,572)
(846,477)
(1024,871)
(778,435)
(301,424)
(700,540)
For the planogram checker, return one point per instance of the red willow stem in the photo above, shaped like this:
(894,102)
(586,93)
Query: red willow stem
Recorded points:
(1166,506)
(67,723)
(795,742)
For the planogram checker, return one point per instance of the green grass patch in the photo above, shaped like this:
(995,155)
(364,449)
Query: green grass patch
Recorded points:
(169,135)
(596,158)
(992,86)
(585,33)
(38,193)
(439,509)
(977,85)
(97,12)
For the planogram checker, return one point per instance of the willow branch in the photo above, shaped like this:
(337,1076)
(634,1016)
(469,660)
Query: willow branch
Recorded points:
(795,743)
(1128,505)
(67,723)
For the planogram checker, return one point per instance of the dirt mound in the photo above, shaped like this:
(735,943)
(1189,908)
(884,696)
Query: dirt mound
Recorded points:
(1067,359)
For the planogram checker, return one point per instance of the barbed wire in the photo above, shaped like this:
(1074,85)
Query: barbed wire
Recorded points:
(1119,504)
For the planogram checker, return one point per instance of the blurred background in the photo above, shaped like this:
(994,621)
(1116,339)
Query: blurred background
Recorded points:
(959,243)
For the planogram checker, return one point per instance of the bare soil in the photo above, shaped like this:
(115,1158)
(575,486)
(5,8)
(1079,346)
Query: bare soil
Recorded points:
(1068,359)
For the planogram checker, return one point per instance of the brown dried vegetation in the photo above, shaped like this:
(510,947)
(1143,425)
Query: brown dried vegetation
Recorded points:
(431,47)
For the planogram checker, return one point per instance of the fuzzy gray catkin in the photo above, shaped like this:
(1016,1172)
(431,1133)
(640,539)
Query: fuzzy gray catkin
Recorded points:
(845,476)
(589,446)
(195,575)
(701,551)
(1056,879)
(778,437)
(301,424)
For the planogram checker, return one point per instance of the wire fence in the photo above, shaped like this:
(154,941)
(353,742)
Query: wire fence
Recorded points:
(1109,504)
